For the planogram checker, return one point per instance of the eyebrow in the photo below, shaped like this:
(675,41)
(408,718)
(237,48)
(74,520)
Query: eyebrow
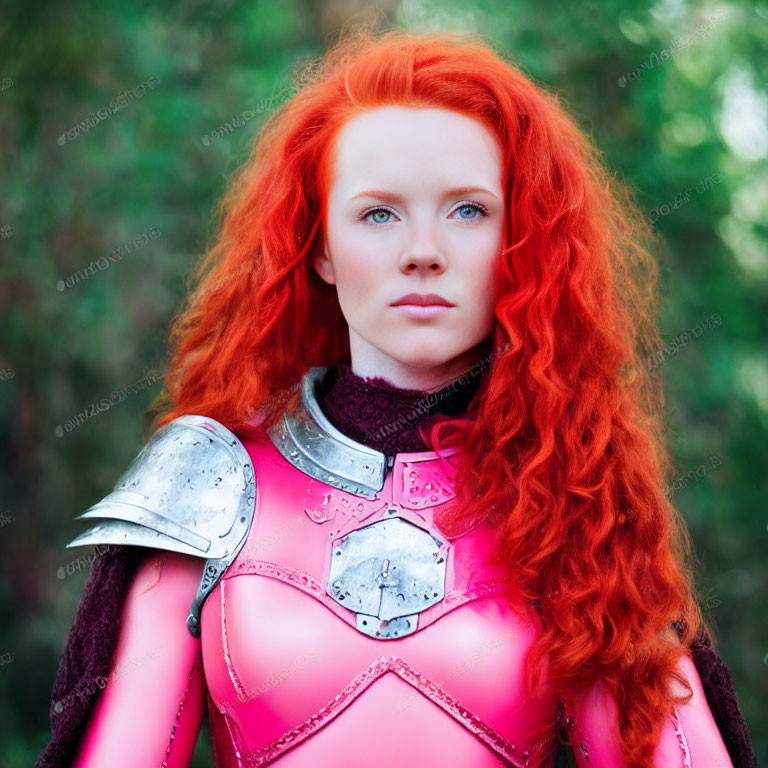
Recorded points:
(394,197)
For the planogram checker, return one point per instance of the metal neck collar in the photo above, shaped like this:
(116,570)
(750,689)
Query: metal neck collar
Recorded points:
(308,440)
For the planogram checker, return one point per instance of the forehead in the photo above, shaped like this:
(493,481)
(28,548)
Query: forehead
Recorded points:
(395,145)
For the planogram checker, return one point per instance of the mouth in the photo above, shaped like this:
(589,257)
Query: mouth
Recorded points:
(422,300)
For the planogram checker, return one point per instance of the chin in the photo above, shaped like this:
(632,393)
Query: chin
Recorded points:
(425,362)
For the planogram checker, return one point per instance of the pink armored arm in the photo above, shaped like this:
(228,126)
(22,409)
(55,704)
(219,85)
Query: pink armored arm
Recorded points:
(151,706)
(690,737)
(189,497)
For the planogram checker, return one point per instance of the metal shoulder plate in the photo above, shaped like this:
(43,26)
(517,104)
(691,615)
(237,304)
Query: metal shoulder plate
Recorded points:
(191,489)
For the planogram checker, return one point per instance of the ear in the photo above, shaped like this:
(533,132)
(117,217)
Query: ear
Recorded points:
(324,267)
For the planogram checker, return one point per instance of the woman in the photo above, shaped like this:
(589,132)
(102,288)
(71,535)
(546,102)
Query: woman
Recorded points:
(428,482)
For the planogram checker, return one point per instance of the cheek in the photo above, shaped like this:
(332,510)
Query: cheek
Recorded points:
(357,276)
(483,273)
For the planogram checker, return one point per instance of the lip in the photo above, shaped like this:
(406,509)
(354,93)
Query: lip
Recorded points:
(421,311)
(423,300)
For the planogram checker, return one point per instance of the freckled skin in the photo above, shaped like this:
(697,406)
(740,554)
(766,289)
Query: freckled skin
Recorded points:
(378,249)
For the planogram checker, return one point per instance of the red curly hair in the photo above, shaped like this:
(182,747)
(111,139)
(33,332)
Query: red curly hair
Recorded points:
(563,445)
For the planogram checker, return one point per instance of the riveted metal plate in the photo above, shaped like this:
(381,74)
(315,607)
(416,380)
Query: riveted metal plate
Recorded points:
(387,573)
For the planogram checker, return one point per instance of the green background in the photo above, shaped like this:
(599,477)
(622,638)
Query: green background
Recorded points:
(689,130)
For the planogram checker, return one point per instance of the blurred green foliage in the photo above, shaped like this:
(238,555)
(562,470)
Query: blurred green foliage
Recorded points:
(689,130)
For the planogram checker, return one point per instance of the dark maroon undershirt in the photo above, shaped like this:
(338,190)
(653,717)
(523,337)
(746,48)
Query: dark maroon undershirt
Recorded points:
(370,411)
(374,412)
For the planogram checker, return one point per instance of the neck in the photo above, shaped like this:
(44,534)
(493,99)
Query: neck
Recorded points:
(368,363)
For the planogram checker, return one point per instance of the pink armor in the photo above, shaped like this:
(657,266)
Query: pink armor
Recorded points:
(307,656)
(449,692)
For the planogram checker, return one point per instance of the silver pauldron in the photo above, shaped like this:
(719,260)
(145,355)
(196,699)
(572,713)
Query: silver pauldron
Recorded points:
(191,489)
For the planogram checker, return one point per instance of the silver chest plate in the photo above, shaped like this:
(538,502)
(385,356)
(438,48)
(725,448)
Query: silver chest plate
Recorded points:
(387,573)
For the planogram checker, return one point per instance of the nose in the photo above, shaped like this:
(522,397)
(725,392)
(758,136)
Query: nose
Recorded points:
(422,254)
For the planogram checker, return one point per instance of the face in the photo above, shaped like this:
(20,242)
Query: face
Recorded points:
(415,206)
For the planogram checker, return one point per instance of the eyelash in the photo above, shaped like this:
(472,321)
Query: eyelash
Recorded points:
(464,204)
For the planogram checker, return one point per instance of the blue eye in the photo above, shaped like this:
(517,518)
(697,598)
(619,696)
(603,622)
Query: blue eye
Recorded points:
(471,207)
(377,211)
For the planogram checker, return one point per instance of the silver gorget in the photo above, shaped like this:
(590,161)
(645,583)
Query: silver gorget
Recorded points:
(306,438)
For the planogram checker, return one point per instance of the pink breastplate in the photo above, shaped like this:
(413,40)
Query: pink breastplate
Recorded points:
(350,630)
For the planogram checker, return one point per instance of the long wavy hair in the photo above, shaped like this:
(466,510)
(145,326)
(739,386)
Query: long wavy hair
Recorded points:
(564,450)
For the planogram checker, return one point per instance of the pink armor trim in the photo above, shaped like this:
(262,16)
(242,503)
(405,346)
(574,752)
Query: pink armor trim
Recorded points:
(314,588)
(680,733)
(348,695)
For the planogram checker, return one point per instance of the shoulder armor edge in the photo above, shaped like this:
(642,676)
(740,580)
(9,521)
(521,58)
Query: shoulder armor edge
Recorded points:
(191,489)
